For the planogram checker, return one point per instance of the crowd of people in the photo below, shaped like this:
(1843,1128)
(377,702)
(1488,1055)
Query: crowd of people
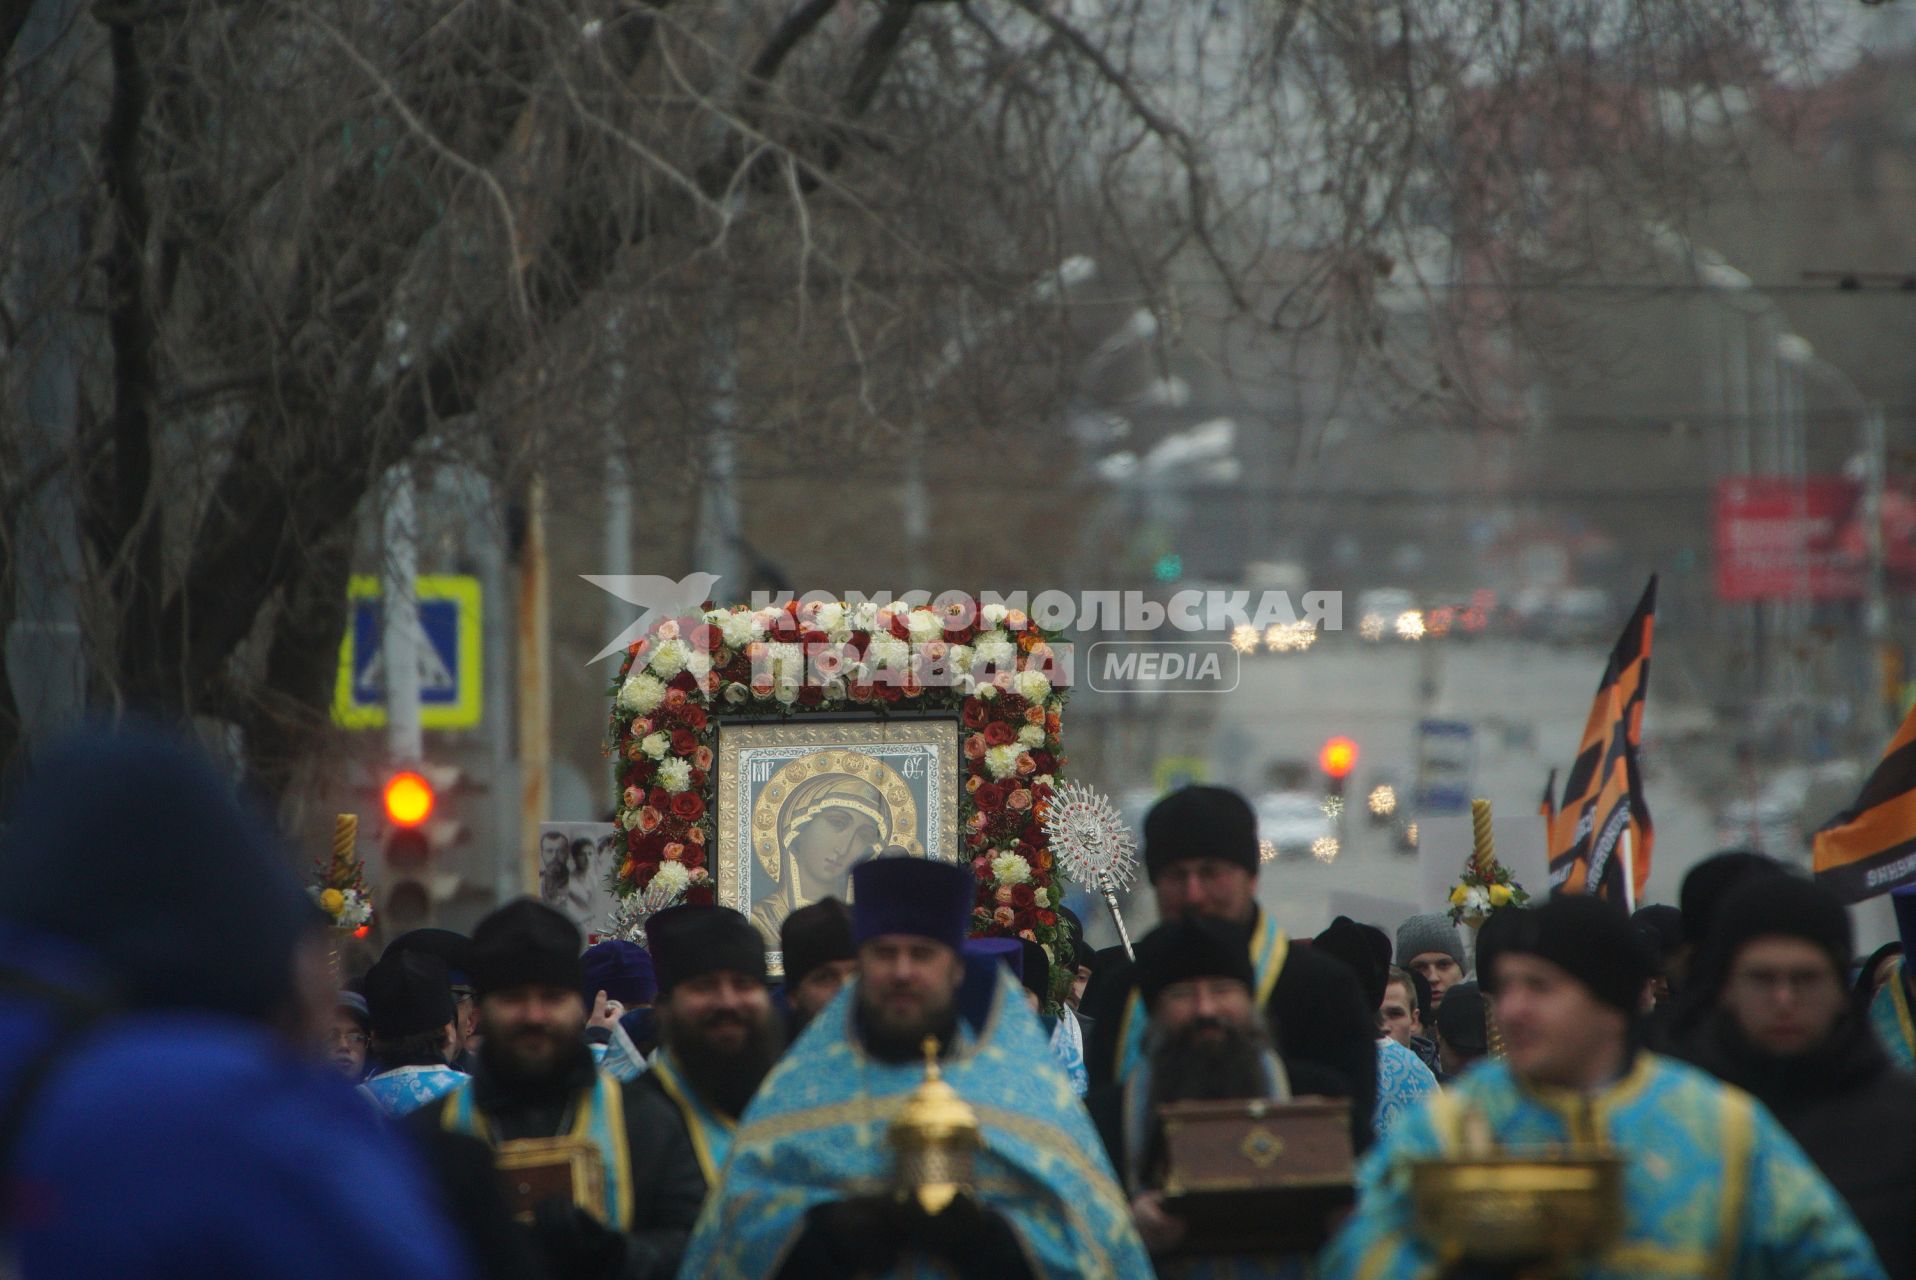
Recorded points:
(189,1087)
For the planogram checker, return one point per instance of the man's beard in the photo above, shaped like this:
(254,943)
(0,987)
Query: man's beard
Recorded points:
(898,1039)
(1187,1067)
(726,1078)
(522,1056)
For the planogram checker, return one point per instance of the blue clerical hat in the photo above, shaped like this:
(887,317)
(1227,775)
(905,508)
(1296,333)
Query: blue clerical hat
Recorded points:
(914,896)
(1904,900)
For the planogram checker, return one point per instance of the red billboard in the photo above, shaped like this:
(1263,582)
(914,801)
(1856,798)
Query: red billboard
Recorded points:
(1781,539)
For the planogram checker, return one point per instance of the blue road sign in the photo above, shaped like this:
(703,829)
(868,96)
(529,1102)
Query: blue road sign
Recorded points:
(1446,759)
(449,684)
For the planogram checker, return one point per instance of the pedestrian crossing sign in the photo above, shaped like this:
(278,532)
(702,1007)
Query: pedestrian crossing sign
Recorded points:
(449,688)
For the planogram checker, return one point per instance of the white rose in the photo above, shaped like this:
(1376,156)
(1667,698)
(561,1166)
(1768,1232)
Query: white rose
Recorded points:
(963,685)
(1041,896)
(738,629)
(672,877)
(995,648)
(787,661)
(669,659)
(986,692)
(675,774)
(923,625)
(831,619)
(1003,761)
(1010,868)
(834,690)
(786,691)
(864,615)
(961,657)
(699,663)
(889,651)
(655,745)
(1032,735)
(1033,686)
(629,819)
(992,614)
(641,694)
(736,693)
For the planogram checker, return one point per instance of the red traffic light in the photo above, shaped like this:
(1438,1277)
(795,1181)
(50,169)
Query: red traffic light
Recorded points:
(1338,757)
(409,799)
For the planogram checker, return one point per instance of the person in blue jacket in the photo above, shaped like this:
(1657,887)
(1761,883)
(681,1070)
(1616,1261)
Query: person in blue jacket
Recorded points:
(163,987)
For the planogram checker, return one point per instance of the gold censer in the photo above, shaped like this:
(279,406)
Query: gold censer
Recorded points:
(933,1138)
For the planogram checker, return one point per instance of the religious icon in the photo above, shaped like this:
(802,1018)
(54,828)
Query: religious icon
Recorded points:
(800,805)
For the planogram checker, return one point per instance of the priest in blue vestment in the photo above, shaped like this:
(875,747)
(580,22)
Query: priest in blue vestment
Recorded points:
(409,995)
(1713,1185)
(808,1188)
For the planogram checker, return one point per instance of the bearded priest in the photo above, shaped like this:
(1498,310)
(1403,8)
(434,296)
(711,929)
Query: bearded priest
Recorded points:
(808,1188)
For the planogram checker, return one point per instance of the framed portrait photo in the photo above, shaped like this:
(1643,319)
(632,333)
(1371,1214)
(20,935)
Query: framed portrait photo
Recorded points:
(800,803)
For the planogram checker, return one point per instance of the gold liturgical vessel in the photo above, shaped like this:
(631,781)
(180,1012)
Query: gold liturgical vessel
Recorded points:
(1545,1207)
(934,1137)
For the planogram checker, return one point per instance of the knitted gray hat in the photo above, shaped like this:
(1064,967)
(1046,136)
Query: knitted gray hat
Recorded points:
(1423,934)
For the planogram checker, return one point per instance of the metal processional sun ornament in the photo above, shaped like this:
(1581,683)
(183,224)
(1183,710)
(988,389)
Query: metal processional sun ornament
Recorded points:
(1093,845)
(630,916)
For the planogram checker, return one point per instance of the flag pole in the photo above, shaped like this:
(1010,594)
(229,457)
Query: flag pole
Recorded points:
(1629,870)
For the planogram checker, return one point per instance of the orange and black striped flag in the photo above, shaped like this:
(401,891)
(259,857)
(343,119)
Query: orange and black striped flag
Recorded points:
(1870,847)
(1548,806)
(1603,796)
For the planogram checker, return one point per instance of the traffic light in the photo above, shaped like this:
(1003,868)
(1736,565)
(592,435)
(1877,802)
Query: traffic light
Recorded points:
(409,799)
(1337,759)
(418,833)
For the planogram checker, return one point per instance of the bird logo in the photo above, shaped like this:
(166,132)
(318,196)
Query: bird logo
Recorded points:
(657,595)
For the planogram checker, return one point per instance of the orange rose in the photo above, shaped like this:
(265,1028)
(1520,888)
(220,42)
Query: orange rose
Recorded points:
(696,835)
(1034,714)
(673,851)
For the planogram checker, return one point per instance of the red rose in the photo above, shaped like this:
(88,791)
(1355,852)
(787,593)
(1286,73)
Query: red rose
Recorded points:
(989,797)
(981,868)
(688,805)
(704,637)
(899,625)
(693,857)
(999,734)
(1044,762)
(861,691)
(684,742)
(693,715)
(976,841)
(684,682)
(659,798)
(696,779)
(1048,918)
(1012,706)
(890,692)
(699,895)
(784,628)
(1022,897)
(810,695)
(640,774)
(861,641)
(975,714)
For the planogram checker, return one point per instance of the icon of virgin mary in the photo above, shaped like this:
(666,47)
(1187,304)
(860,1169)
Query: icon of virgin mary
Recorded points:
(829,824)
